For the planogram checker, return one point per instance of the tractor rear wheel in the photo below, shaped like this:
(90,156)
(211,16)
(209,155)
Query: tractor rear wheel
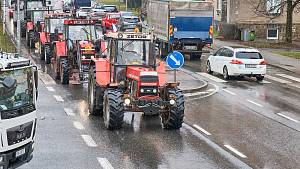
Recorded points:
(42,56)
(113,109)
(47,54)
(31,39)
(64,71)
(95,94)
(173,119)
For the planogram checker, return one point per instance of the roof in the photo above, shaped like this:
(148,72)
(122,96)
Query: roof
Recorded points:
(242,48)
(6,59)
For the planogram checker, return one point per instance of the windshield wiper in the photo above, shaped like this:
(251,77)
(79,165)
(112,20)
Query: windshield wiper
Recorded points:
(126,45)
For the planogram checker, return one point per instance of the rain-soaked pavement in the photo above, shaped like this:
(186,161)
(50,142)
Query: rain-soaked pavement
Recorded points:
(235,124)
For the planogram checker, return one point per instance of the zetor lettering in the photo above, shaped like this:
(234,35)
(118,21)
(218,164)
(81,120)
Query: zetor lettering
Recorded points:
(136,36)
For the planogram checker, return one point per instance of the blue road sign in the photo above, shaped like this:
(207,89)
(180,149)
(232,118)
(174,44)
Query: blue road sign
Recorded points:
(175,60)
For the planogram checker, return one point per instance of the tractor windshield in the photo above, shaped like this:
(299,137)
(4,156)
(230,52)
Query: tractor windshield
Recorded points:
(56,24)
(16,88)
(81,32)
(133,52)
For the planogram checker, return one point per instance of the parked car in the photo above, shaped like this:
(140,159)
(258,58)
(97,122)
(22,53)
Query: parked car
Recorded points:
(237,61)
(109,20)
(126,13)
(83,12)
(110,8)
(129,23)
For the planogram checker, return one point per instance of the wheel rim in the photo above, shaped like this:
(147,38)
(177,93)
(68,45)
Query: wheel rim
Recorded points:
(208,67)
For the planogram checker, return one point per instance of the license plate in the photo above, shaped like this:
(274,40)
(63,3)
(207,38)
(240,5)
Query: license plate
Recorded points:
(20,152)
(250,66)
(190,47)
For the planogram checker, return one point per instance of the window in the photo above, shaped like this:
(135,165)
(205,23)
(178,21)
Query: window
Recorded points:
(272,34)
(218,53)
(228,53)
(248,55)
(273,6)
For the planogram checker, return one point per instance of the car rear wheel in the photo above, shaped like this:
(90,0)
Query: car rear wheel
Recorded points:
(225,73)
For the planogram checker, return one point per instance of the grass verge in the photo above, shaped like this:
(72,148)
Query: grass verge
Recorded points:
(291,54)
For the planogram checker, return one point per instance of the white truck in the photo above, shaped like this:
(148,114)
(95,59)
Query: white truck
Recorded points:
(18,94)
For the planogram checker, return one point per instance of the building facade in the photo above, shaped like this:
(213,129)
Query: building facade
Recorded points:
(264,17)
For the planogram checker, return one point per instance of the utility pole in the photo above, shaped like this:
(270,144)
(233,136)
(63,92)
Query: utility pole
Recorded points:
(4,16)
(126,4)
(18,29)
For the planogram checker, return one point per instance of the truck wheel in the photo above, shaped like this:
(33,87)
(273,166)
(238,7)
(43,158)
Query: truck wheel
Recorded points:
(32,39)
(173,119)
(95,96)
(113,109)
(42,56)
(47,54)
(64,71)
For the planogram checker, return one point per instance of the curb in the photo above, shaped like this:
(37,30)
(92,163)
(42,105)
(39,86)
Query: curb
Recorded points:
(284,68)
(196,89)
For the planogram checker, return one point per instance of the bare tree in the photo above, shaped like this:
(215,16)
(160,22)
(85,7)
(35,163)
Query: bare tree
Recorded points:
(273,8)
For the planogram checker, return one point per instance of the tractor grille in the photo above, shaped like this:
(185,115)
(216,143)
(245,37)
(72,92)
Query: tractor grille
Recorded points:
(149,79)
(19,133)
(9,114)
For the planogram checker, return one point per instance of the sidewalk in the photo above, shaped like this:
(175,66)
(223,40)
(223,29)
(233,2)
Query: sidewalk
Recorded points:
(273,59)
(188,82)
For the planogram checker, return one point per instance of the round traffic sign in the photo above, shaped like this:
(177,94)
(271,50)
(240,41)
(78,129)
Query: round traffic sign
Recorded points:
(175,60)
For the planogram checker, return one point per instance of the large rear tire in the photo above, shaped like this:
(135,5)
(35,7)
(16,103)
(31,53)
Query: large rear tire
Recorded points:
(95,95)
(173,119)
(64,71)
(113,109)
(42,56)
(47,54)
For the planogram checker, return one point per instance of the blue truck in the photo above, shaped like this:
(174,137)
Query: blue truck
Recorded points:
(181,25)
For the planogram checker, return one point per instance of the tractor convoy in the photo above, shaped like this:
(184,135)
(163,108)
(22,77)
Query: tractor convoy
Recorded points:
(121,67)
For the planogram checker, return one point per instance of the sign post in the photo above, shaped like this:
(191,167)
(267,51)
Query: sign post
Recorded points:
(175,61)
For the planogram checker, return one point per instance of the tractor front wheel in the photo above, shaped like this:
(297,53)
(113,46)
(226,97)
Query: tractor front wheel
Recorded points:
(64,71)
(173,118)
(95,95)
(42,56)
(113,109)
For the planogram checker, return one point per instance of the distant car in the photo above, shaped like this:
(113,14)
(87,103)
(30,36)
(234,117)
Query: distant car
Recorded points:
(237,61)
(126,13)
(110,8)
(83,12)
(129,23)
(67,7)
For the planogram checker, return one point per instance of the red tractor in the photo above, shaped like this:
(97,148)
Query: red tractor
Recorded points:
(130,78)
(53,31)
(35,24)
(109,20)
(73,55)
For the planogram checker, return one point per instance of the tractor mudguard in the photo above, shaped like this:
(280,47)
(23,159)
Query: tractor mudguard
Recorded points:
(102,71)
(60,48)
(29,26)
(161,71)
(43,37)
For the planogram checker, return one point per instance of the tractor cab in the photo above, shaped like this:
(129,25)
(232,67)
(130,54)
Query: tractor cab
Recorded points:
(76,50)
(35,24)
(130,78)
(51,32)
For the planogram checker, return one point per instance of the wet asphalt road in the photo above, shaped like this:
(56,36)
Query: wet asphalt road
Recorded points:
(259,120)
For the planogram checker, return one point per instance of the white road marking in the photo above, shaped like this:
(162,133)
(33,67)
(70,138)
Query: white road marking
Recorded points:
(201,129)
(50,89)
(78,125)
(289,77)
(265,82)
(69,112)
(47,79)
(195,94)
(287,117)
(211,77)
(277,79)
(58,98)
(235,151)
(295,85)
(230,92)
(89,140)
(217,88)
(105,164)
(250,101)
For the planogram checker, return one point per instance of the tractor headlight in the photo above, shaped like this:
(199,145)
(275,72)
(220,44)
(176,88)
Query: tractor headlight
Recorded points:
(172,102)
(142,90)
(154,91)
(83,57)
(127,101)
